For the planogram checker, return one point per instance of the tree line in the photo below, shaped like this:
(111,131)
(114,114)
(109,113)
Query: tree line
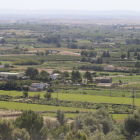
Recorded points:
(135,41)
(97,125)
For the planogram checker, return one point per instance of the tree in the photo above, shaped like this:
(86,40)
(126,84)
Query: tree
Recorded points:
(32,122)
(58,45)
(128,54)
(6,65)
(123,56)
(138,58)
(32,72)
(25,94)
(56,71)
(60,117)
(76,77)
(104,54)
(56,82)
(85,53)
(47,52)
(93,121)
(99,60)
(47,95)
(73,136)
(50,89)
(132,123)
(135,53)
(44,132)
(92,54)
(6,129)
(20,134)
(107,54)
(37,96)
(88,76)
(137,64)
(13,33)
(83,59)
(44,73)
(2,41)
(65,74)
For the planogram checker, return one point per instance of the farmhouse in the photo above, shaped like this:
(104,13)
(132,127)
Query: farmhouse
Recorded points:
(109,67)
(6,74)
(54,76)
(103,80)
(37,86)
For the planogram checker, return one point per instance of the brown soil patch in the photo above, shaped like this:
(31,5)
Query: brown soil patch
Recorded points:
(69,53)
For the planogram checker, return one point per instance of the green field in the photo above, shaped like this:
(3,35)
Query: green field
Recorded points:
(96,99)
(20,93)
(132,85)
(127,79)
(102,92)
(36,107)
(80,97)
(119,116)
(111,73)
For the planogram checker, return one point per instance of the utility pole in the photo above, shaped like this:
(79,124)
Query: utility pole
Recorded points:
(110,91)
(83,88)
(76,127)
(57,97)
(133,100)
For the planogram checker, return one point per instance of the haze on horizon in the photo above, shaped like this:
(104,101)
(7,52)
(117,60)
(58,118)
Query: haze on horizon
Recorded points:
(91,5)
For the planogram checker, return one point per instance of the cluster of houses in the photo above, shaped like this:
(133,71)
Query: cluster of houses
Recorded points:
(34,86)
(101,81)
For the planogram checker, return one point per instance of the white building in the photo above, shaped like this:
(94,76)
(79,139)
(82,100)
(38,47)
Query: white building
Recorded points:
(6,74)
(54,76)
(109,67)
(40,85)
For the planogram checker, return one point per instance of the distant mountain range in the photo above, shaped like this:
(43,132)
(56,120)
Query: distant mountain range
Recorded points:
(42,13)
(71,12)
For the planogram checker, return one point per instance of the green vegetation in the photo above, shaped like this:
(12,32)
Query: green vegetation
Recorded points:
(36,107)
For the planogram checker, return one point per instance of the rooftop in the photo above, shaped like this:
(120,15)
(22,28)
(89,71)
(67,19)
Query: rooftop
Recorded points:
(8,73)
(110,66)
(56,74)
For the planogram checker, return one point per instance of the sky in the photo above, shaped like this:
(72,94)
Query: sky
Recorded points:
(91,5)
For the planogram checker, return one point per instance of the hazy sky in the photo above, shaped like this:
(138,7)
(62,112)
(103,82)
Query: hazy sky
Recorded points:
(72,4)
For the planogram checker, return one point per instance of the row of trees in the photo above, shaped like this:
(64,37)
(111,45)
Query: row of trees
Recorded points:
(124,55)
(135,41)
(27,62)
(14,85)
(89,53)
(42,53)
(49,39)
(106,54)
(97,125)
